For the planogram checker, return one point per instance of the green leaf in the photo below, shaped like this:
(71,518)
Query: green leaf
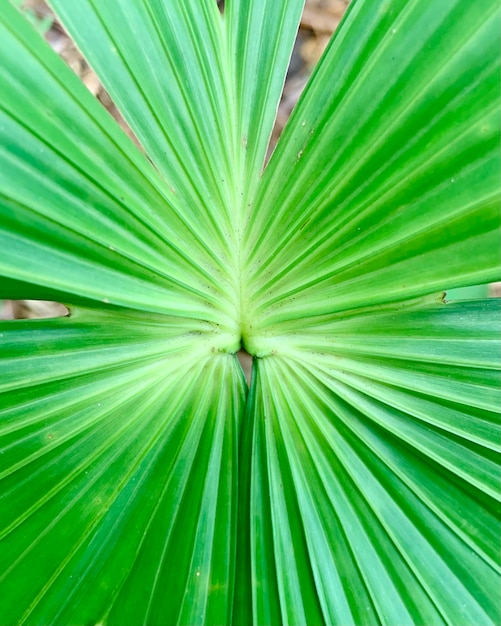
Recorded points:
(206,118)
(114,465)
(376,502)
(392,164)
(358,481)
(468,293)
(260,38)
(163,65)
(95,221)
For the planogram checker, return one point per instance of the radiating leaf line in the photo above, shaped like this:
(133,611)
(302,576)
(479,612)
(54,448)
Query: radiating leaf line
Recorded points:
(348,261)
(401,520)
(160,433)
(153,297)
(89,363)
(103,239)
(483,352)
(139,485)
(402,179)
(96,240)
(444,70)
(387,267)
(191,443)
(367,69)
(377,577)
(437,351)
(346,500)
(439,447)
(40,408)
(348,459)
(263,563)
(195,604)
(87,487)
(474,468)
(83,538)
(339,233)
(300,200)
(467,426)
(97,519)
(54,461)
(297,465)
(401,527)
(76,428)
(183,469)
(260,42)
(220,121)
(331,594)
(194,191)
(169,280)
(265,88)
(289,586)
(369,65)
(103,345)
(422,318)
(324,239)
(389,456)
(86,175)
(153,266)
(479,392)
(392,287)
(239,158)
(127,155)
(216,114)
(320,322)
(265,93)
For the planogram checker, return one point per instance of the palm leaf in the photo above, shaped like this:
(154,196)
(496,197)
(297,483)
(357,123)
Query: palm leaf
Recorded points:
(357,482)
(97,452)
(83,213)
(394,188)
(353,491)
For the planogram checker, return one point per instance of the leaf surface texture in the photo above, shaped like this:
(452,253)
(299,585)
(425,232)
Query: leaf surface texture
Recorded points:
(357,480)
